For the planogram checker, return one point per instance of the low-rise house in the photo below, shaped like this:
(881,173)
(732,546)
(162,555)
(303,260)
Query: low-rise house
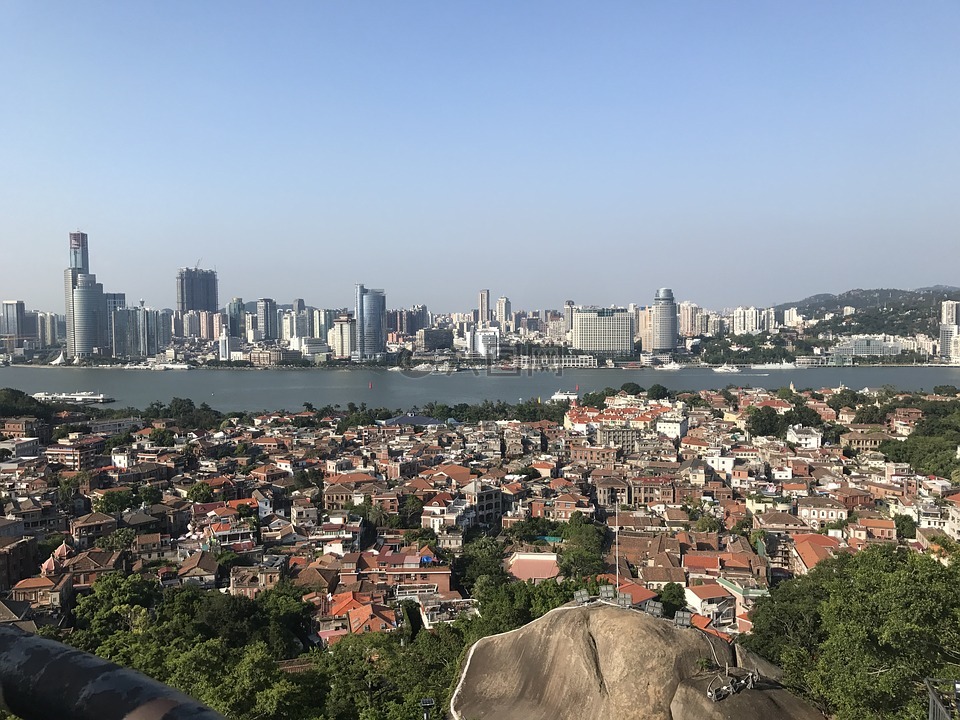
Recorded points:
(712,601)
(535,567)
(89,529)
(199,569)
(818,511)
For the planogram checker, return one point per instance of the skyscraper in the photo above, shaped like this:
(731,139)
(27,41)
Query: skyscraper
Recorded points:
(484,308)
(664,321)
(13,319)
(197,290)
(236,318)
(267,321)
(504,314)
(84,302)
(371,317)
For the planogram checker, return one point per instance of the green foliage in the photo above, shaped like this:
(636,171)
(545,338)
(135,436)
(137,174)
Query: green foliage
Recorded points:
(114,502)
(482,557)
(631,388)
(860,632)
(582,552)
(14,403)
(707,523)
(162,437)
(150,494)
(120,539)
(658,392)
(200,493)
(185,413)
(530,529)
(906,527)
(673,598)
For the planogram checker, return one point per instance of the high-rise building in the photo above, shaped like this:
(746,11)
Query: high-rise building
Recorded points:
(371,319)
(197,290)
(949,312)
(137,332)
(603,331)
(690,314)
(664,322)
(85,304)
(341,336)
(79,254)
(504,314)
(236,318)
(746,321)
(267,320)
(484,308)
(13,319)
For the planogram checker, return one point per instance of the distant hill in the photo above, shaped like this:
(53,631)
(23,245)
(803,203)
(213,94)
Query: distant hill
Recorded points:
(890,298)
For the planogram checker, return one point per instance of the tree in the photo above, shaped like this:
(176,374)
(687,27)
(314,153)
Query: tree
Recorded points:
(150,495)
(631,388)
(859,633)
(765,422)
(707,523)
(200,493)
(162,437)
(906,527)
(120,539)
(673,598)
(113,502)
(658,392)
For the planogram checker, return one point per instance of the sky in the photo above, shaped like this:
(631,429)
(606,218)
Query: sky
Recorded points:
(738,152)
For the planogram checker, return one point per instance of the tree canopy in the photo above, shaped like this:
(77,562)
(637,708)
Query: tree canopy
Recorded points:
(859,633)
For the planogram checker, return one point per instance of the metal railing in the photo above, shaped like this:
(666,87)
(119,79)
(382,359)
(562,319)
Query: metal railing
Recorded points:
(943,699)
(42,679)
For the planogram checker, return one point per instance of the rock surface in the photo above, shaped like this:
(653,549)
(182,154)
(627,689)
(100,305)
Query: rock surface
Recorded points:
(600,662)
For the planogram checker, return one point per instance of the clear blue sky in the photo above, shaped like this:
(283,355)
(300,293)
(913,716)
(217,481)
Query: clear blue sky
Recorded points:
(739,152)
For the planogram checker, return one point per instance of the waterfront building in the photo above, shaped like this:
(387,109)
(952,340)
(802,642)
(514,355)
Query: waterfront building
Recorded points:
(136,333)
(689,318)
(267,320)
(950,312)
(197,290)
(84,302)
(340,338)
(664,322)
(504,316)
(13,320)
(746,321)
(236,318)
(484,303)
(603,331)
(371,324)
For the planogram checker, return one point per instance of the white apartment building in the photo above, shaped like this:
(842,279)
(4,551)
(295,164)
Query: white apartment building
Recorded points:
(603,331)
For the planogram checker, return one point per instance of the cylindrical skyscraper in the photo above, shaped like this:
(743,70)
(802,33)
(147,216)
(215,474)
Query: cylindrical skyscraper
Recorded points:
(664,322)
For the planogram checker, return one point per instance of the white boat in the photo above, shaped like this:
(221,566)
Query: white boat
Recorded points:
(564,396)
(672,365)
(782,365)
(726,369)
(79,398)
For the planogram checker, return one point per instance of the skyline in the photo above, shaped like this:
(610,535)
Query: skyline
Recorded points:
(545,152)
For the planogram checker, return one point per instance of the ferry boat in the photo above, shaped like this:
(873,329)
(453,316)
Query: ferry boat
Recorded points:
(78,398)
(782,365)
(672,365)
(726,369)
(565,396)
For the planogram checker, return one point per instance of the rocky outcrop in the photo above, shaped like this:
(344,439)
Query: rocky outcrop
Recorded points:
(601,662)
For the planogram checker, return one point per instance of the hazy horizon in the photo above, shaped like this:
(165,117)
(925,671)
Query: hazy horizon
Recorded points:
(741,154)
